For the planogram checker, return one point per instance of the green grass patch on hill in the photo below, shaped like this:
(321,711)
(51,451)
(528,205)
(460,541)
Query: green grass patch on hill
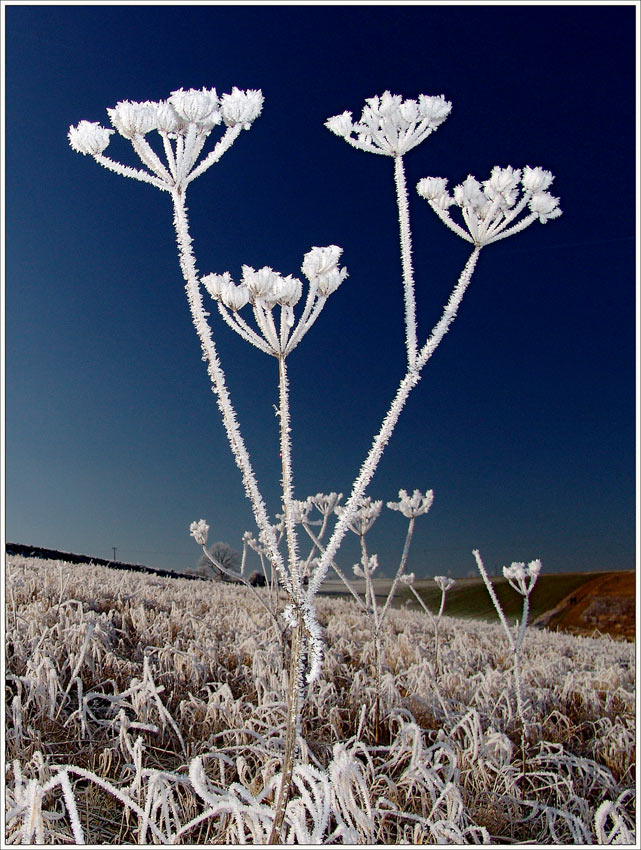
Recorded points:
(469,597)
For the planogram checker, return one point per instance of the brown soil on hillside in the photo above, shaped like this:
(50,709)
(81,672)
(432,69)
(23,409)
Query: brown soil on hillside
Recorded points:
(604,604)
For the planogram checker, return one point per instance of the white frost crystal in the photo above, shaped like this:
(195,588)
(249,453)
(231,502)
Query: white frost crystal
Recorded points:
(89,138)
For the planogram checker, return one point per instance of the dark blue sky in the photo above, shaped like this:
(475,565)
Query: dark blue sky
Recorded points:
(524,421)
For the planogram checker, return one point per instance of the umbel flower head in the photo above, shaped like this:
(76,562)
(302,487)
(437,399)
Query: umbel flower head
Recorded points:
(89,138)
(490,209)
(365,516)
(518,573)
(390,125)
(187,116)
(199,531)
(266,289)
(414,505)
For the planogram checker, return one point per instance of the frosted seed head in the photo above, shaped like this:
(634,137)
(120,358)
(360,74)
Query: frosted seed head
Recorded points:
(241,107)
(325,504)
(234,297)
(320,267)
(536,179)
(259,283)
(414,505)
(503,186)
(545,206)
(470,194)
(515,571)
(408,578)
(198,106)
(434,109)
(199,531)
(318,261)
(216,284)
(390,124)
(444,582)
(365,516)
(133,119)
(89,137)
(167,119)
(341,125)
(434,189)
(286,291)
(534,568)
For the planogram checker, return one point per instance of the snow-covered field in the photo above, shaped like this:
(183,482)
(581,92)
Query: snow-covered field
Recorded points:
(149,710)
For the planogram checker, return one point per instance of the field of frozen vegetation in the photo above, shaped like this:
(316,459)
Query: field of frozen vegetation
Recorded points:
(145,710)
(151,710)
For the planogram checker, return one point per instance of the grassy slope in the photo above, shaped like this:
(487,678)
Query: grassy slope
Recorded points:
(469,597)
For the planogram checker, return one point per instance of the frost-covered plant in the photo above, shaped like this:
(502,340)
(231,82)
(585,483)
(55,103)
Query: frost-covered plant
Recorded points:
(390,126)
(444,583)
(522,579)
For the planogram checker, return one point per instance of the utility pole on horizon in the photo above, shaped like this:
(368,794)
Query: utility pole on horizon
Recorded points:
(114,548)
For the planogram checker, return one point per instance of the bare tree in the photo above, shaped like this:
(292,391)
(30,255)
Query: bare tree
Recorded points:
(223,554)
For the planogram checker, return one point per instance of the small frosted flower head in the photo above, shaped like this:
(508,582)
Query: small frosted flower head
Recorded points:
(469,195)
(133,119)
(199,531)
(300,510)
(490,209)
(320,267)
(414,505)
(435,189)
(534,568)
(241,107)
(259,283)
(365,516)
(286,291)
(516,575)
(444,582)
(545,206)
(408,578)
(390,125)
(503,186)
(89,138)
(216,284)
(167,119)
(325,504)
(536,179)
(198,106)
(234,297)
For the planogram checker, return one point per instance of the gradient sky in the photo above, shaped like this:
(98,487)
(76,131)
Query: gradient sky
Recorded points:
(524,421)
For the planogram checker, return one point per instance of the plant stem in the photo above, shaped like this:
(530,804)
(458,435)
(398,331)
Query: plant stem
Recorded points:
(219,387)
(287,477)
(293,719)
(406,259)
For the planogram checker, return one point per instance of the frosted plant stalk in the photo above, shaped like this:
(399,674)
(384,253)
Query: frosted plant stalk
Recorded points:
(388,126)
(522,579)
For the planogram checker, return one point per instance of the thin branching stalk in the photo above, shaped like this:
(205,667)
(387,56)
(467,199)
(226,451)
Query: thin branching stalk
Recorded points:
(219,387)
(406,260)
(407,384)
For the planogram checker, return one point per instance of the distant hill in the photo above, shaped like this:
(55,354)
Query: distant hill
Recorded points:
(74,558)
